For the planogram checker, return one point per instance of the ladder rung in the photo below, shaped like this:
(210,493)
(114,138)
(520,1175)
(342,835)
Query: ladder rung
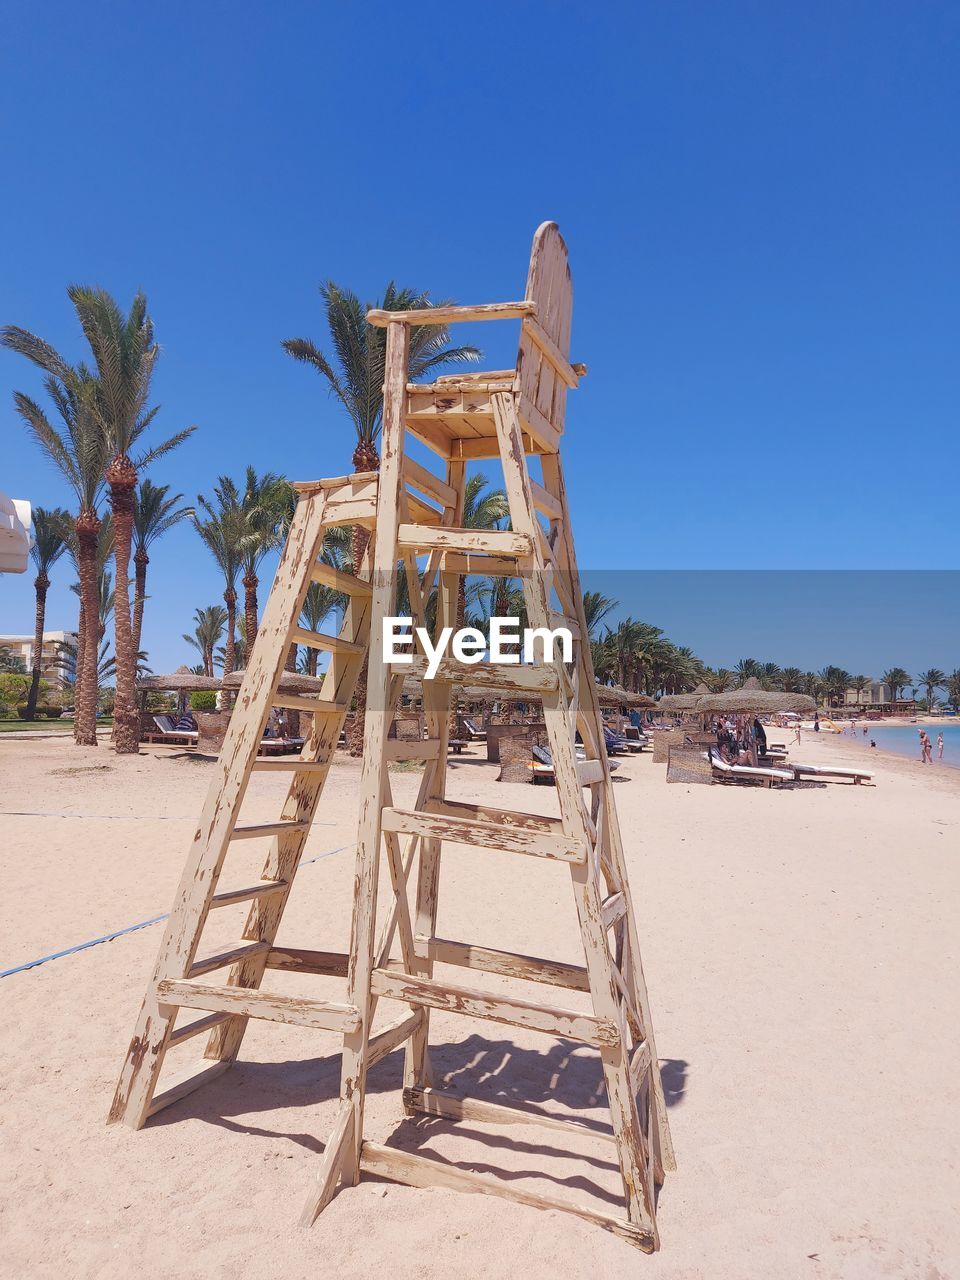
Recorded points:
(392,1036)
(568,1023)
(320,640)
(298,960)
(466,955)
(261,890)
(488,835)
(421,1171)
(458,1106)
(292,764)
(327,576)
(270,829)
(186,1082)
(545,502)
(404,749)
(613,909)
(248,1002)
(486,675)
(589,772)
(425,481)
(495,541)
(196,1028)
(244,951)
(482,566)
(313,706)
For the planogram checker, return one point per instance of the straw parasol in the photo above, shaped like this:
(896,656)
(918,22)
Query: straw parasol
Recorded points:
(683,701)
(290,682)
(752,700)
(614,695)
(182,681)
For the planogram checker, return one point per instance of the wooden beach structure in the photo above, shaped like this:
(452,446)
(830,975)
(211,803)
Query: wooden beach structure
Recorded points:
(415,518)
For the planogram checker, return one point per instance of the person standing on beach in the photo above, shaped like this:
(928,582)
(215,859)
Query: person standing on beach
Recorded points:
(797,728)
(926,748)
(816,722)
(940,745)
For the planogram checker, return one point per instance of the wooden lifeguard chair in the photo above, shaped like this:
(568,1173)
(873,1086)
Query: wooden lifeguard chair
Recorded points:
(415,518)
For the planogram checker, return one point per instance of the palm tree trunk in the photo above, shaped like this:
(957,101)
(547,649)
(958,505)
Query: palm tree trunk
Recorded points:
(41,583)
(85,705)
(230,651)
(122,478)
(78,670)
(250,583)
(140,560)
(312,655)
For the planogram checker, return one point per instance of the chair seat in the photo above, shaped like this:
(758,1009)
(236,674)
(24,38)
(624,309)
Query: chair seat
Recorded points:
(455,418)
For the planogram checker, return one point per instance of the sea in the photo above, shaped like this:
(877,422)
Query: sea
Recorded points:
(904,740)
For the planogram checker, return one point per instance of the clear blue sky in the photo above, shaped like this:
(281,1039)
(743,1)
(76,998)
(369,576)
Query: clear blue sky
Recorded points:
(761,202)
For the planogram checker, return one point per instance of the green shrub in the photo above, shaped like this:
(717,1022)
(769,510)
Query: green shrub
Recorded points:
(13,688)
(203,700)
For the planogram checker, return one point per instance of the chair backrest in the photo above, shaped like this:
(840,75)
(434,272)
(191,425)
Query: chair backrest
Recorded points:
(550,286)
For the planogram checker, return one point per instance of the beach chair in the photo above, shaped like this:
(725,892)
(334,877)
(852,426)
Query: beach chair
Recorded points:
(724,772)
(801,771)
(471,731)
(169,733)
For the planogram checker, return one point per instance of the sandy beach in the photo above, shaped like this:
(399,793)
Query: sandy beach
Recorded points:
(800,949)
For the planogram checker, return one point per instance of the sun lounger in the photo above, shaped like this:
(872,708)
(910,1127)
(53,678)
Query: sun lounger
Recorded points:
(473,733)
(822,771)
(725,772)
(542,764)
(168,733)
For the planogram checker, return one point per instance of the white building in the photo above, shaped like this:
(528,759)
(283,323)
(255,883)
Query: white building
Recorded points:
(16,518)
(22,647)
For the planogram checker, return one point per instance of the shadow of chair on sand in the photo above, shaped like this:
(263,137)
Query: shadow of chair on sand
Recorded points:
(566,1076)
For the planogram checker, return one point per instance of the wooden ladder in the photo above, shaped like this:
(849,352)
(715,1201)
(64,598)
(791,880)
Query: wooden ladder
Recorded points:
(180,980)
(586,837)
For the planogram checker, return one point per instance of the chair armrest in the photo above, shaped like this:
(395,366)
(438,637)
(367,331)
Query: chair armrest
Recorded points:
(454,315)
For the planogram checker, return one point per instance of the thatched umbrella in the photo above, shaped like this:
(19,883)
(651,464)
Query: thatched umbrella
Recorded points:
(179,682)
(290,682)
(752,700)
(614,695)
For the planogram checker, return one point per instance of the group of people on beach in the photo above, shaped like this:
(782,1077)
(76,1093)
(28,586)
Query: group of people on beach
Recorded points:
(926,746)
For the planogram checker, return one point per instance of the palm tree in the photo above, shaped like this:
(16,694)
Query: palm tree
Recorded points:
(321,601)
(222,533)
(746,669)
(357,378)
(596,607)
(930,680)
(318,604)
(896,678)
(792,680)
(153,515)
(49,544)
(481,510)
(210,625)
(719,681)
(125,355)
(250,521)
(78,450)
(835,683)
(104,550)
(953,689)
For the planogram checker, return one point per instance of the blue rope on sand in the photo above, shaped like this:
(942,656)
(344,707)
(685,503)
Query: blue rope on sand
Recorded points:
(131,928)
